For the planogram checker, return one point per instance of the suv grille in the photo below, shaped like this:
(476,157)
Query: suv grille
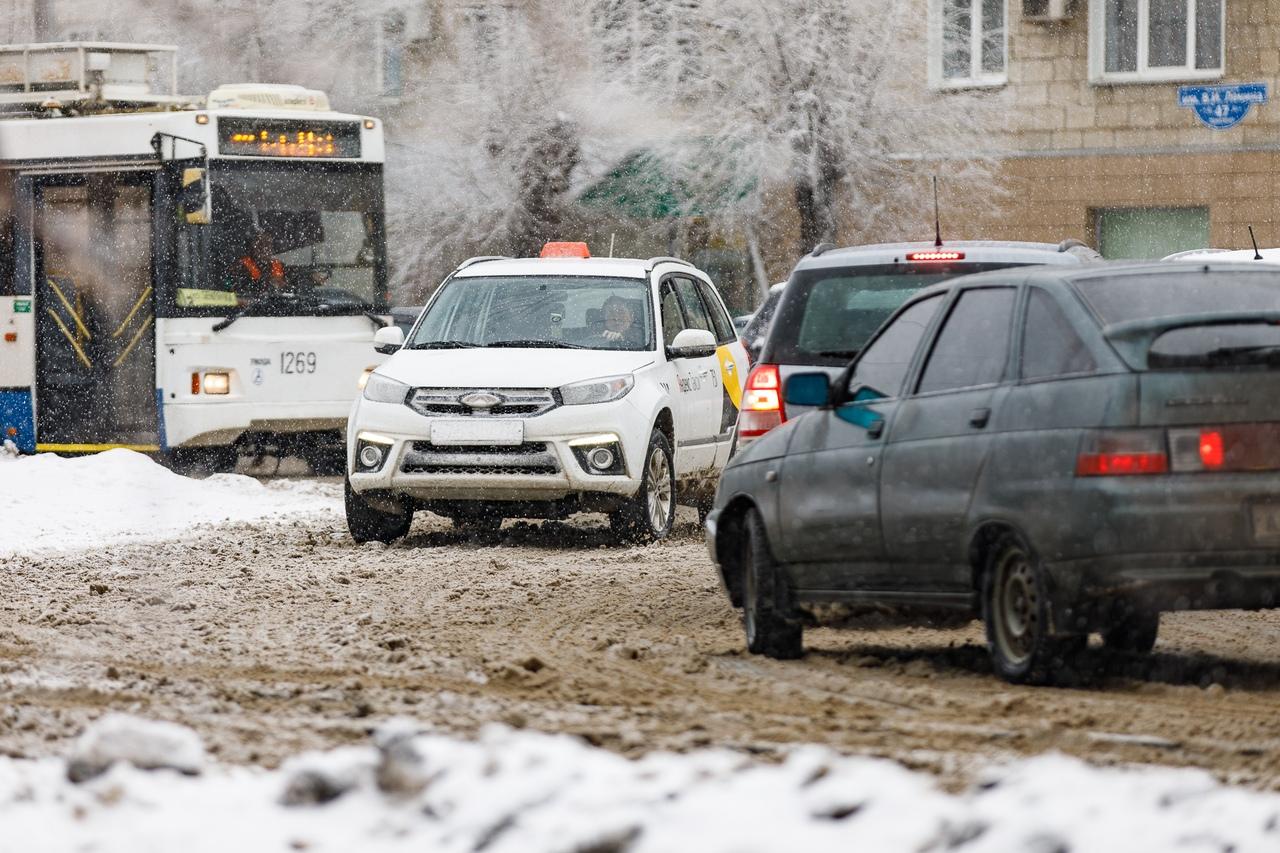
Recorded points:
(512,402)
(528,458)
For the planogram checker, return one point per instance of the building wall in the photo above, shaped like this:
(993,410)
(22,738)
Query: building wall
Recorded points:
(1072,147)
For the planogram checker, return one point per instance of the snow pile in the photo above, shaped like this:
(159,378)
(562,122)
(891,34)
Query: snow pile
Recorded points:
(527,792)
(47,501)
(148,744)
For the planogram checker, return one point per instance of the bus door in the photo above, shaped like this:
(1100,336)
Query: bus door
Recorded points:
(95,311)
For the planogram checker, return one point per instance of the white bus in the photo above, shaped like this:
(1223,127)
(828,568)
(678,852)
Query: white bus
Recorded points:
(191,279)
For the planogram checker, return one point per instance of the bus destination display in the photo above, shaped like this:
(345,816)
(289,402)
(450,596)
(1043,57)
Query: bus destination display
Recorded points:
(252,137)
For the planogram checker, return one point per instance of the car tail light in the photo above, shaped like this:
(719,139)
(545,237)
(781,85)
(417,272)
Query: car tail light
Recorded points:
(1115,453)
(1228,447)
(938,255)
(761,402)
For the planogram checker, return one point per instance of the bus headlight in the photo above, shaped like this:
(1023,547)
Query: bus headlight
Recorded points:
(217,383)
(380,389)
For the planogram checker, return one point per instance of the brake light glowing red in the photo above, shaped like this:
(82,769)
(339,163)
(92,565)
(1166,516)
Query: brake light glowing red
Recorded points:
(761,402)
(1116,464)
(1212,452)
(935,256)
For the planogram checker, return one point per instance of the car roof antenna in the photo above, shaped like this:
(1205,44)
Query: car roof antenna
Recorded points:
(937,217)
(1257,256)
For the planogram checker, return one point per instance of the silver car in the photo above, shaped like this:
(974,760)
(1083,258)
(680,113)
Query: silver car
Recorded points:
(1059,451)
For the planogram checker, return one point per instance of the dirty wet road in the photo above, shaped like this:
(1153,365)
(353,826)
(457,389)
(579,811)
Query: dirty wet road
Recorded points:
(272,639)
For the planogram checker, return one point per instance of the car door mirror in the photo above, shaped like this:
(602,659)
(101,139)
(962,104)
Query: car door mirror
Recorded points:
(807,389)
(388,339)
(195,198)
(692,343)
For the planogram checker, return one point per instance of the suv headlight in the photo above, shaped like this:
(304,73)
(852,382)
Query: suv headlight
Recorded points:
(380,389)
(603,390)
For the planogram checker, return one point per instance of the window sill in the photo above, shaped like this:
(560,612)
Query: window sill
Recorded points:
(962,84)
(1154,77)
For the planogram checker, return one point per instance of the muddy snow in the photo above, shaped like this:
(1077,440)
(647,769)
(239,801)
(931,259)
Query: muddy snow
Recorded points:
(273,635)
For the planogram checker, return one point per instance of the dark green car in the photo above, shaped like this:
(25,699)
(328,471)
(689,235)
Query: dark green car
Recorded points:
(1058,451)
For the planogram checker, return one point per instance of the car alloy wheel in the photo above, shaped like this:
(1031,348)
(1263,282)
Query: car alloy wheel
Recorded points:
(658,491)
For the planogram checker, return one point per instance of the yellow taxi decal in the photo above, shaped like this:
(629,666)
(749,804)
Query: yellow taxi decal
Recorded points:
(729,370)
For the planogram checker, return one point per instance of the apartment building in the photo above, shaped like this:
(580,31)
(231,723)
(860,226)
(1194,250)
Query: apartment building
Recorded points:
(1102,139)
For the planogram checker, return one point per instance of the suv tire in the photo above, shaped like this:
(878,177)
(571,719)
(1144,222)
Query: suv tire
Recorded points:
(367,523)
(1015,611)
(768,617)
(650,513)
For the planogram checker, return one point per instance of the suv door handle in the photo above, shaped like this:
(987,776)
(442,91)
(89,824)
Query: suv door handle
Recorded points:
(979,417)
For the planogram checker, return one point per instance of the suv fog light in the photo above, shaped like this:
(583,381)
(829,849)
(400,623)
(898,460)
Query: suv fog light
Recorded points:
(370,456)
(601,458)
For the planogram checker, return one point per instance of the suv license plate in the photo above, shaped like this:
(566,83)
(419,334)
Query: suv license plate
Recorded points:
(477,431)
(1266,523)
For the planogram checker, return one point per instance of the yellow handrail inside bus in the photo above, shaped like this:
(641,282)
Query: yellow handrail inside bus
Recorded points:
(75,315)
(134,310)
(134,341)
(70,338)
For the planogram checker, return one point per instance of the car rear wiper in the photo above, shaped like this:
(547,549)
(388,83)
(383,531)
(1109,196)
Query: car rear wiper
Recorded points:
(534,344)
(838,353)
(444,345)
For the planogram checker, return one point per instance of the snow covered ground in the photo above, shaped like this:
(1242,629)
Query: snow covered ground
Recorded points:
(520,791)
(50,502)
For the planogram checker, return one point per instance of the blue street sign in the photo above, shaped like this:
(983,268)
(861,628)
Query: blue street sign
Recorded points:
(1222,107)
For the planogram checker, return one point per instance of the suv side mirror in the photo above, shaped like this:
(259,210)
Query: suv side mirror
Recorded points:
(692,343)
(388,339)
(196,201)
(807,389)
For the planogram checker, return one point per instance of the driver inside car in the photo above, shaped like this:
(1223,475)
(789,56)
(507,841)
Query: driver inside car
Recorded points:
(620,322)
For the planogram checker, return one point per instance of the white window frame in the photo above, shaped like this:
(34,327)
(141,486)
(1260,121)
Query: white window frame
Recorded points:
(1099,75)
(977,78)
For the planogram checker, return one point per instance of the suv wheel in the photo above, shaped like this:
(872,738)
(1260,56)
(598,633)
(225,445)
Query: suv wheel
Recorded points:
(367,523)
(1015,609)
(648,516)
(1135,632)
(767,616)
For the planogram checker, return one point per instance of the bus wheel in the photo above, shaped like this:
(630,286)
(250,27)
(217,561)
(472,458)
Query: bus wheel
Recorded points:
(369,523)
(201,461)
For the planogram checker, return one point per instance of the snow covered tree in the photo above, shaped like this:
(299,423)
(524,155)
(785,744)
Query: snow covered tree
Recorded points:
(827,98)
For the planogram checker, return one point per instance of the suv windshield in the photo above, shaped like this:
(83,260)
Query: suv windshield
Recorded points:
(574,312)
(286,239)
(828,314)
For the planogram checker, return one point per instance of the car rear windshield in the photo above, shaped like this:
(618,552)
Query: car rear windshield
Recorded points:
(828,314)
(1116,299)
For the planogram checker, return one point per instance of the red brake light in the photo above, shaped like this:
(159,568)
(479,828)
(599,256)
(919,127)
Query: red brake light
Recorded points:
(1212,452)
(1113,453)
(761,402)
(935,256)
(1112,464)
(565,250)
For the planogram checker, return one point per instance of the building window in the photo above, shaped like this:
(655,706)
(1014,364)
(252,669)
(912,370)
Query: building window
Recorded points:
(968,42)
(1150,232)
(390,61)
(1156,40)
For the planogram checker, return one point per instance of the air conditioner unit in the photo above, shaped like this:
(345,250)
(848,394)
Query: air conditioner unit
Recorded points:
(1047,11)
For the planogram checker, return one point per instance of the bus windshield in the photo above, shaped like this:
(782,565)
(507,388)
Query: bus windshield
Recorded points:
(285,240)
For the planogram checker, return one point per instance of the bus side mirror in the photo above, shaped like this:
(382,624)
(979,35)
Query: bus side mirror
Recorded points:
(196,201)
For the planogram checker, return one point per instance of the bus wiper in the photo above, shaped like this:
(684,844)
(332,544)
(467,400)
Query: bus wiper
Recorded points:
(444,345)
(535,344)
(230,318)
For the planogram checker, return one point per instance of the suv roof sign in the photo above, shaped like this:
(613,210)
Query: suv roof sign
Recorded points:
(565,250)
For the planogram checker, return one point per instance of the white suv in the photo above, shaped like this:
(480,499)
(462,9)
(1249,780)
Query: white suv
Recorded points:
(540,387)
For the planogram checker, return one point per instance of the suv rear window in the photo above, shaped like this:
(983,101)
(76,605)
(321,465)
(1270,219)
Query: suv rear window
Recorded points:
(827,315)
